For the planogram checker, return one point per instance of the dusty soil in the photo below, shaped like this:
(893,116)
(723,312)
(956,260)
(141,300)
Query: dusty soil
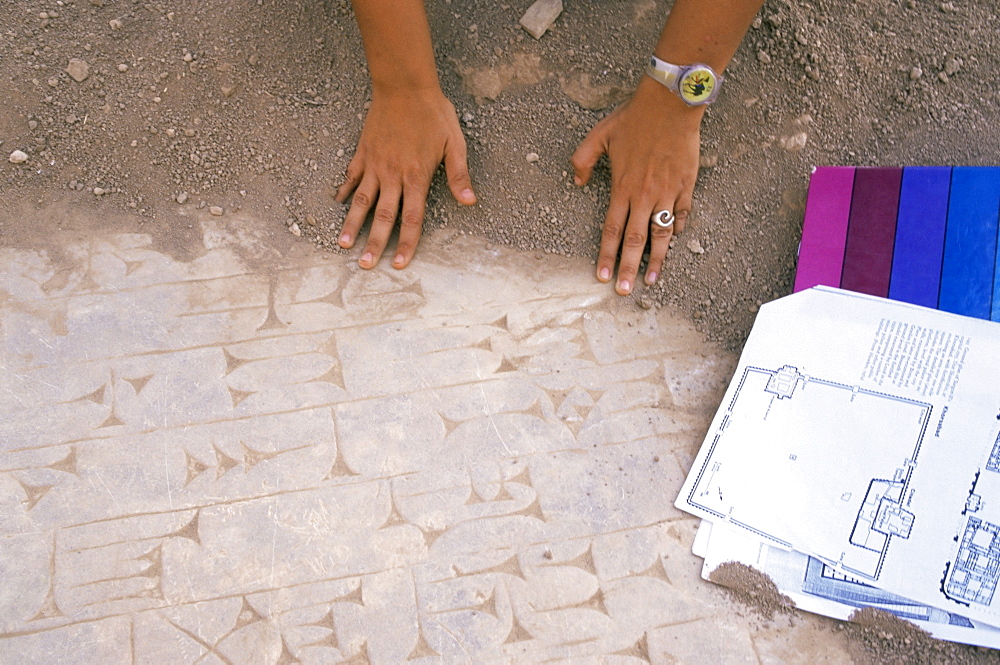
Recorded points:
(751,587)
(256,104)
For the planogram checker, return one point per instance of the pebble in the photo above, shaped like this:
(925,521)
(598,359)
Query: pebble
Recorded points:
(952,66)
(540,16)
(532,157)
(215,211)
(916,73)
(115,24)
(18,157)
(182,198)
(123,67)
(296,231)
(695,247)
(708,161)
(78,69)
(100,191)
(763,57)
(795,142)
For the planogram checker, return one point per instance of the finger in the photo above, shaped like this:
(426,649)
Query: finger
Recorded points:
(456,167)
(633,244)
(361,203)
(415,189)
(382,223)
(682,211)
(587,154)
(611,237)
(659,243)
(352,178)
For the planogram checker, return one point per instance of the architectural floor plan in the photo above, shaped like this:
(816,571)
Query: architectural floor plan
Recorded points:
(866,434)
(786,412)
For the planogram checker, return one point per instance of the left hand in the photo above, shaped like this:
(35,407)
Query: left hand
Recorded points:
(652,142)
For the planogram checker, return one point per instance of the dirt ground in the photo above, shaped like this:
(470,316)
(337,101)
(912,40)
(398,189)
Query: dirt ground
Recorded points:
(255,106)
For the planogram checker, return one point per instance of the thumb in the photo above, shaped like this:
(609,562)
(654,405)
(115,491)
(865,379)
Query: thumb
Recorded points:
(587,153)
(457,169)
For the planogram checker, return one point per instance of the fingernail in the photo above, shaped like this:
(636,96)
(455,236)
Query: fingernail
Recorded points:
(605,274)
(651,278)
(577,180)
(367,258)
(345,239)
(468,194)
(625,286)
(399,260)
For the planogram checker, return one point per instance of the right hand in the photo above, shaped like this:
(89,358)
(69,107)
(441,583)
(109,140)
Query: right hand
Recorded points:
(406,135)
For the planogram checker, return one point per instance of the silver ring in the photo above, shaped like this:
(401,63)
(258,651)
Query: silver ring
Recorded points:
(664,219)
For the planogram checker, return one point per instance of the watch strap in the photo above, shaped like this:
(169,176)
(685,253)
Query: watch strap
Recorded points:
(664,72)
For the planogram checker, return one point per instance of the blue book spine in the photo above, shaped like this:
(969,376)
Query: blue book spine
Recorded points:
(920,229)
(970,246)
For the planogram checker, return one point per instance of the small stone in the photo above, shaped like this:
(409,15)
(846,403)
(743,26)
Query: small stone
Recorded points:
(18,157)
(228,90)
(32,124)
(53,82)
(115,24)
(708,161)
(340,152)
(215,211)
(182,198)
(78,69)
(645,301)
(532,157)
(296,231)
(763,57)
(795,142)
(943,76)
(123,68)
(100,191)
(310,220)
(952,66)
(695,247)
(916,73)
(540,17)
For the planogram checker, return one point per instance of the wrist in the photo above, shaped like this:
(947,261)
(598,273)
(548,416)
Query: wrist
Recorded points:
(406,88)
(657,98)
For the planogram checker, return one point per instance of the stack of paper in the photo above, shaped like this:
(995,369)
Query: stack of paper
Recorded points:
(856,461)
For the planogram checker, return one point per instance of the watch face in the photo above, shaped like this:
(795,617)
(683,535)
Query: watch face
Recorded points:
(697,85)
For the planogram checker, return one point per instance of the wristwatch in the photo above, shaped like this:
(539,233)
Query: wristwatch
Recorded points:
(696,84)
